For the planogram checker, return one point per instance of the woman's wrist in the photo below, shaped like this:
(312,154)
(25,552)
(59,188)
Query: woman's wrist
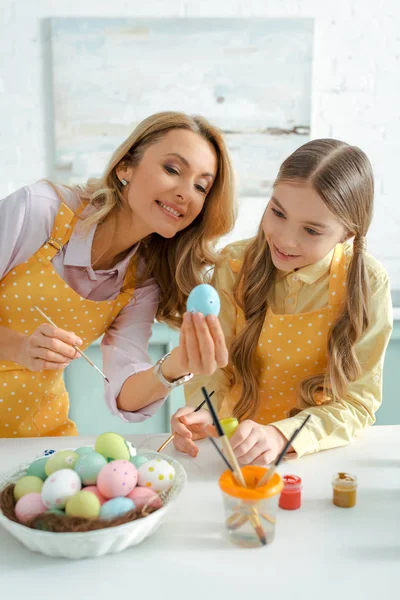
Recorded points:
(171,367)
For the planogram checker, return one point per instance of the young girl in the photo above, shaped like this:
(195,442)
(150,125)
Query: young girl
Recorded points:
(306,314)
(108,258)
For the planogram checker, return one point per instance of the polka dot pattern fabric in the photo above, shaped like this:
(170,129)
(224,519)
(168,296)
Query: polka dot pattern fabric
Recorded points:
(291,348)
(36,404)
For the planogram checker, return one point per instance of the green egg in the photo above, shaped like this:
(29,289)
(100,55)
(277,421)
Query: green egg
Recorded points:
(89,466)
(112,446)
(56,511)
(83,504)
(83,450)
(229,426)
(37,468)
(138,460)
(65,459)
(27,485)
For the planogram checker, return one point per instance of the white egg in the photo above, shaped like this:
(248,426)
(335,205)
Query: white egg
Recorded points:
(59,487)
(156,474)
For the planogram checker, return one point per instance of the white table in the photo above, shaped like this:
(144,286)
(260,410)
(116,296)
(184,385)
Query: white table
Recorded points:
(320,552)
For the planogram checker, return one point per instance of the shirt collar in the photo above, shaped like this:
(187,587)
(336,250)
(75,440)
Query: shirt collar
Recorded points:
(311,273)
(78,252)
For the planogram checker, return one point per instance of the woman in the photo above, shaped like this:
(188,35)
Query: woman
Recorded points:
(107,258)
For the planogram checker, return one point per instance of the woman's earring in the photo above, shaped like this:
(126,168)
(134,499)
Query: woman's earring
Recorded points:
(124,182)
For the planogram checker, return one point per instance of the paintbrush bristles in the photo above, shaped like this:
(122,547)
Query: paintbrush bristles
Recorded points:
(233,460)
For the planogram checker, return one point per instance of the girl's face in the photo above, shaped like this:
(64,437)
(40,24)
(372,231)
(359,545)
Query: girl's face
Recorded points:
(299,228)
(166,191)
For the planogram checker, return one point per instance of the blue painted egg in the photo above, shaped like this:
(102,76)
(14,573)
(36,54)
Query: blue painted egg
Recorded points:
(204,299)
(138,460)
(84,450)
(116,507)
(88,466)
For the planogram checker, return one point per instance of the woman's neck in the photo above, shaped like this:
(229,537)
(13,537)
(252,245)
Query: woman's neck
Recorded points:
(114,239)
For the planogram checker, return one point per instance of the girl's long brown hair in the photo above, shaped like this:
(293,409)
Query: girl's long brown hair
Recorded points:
(342,177)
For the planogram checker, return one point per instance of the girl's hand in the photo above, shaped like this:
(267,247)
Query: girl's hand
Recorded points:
(48,348)
(255,443)
(188,426)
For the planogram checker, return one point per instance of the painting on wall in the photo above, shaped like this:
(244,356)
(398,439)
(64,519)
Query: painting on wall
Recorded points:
(250,77)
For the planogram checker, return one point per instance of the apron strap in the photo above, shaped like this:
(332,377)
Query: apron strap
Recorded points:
(64,223)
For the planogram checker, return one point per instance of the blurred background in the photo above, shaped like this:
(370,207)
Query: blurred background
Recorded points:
(77,76)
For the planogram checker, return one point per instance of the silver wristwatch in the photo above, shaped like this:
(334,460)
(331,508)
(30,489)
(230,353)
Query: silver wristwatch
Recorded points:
(169,384)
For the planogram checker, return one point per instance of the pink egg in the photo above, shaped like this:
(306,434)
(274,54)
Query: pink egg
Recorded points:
(29,506)
(95,491)
(142,496)
(117,478)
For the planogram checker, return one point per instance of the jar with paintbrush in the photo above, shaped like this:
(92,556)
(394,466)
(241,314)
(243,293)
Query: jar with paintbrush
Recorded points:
(242,504)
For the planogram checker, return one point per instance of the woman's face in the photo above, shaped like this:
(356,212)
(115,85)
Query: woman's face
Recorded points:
(299,227)
(166,191)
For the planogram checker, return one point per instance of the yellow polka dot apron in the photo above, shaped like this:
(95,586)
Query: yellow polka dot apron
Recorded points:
(36,403)
(291,348)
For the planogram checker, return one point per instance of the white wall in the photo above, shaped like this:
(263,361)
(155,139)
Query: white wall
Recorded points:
(356,87)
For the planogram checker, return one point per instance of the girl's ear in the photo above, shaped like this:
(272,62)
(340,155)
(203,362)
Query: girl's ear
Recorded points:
(346,236)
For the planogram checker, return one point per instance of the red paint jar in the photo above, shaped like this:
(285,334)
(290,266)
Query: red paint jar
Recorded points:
(290,498)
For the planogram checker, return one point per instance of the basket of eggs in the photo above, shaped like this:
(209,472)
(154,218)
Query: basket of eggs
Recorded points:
(89,501)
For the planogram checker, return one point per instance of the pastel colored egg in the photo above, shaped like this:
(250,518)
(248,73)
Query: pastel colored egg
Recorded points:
(117,478)
(93,490)
(83,504)
(27,485)
(204,299)
(64,459)
(229,426)
(138,460)
(143,496)
(84,450)
(37,468)
(116,508)
(89,466)
(56,511)
(157,474)
(29,506)
(112,446)
(59,487)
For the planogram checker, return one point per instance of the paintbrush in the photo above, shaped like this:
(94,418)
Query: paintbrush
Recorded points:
(226,461)
(171,437)
(75,347)
(254,518)
(265,478)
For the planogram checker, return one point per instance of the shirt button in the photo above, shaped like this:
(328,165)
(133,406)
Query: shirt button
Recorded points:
(295,278)
(290,301)
(376,378)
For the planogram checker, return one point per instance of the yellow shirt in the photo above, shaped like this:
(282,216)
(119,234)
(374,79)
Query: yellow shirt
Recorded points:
(305,290)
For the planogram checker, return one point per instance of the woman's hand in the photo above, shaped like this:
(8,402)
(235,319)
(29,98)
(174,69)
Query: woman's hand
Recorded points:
(48,348)
(202,348)
(188,426)
(255,443)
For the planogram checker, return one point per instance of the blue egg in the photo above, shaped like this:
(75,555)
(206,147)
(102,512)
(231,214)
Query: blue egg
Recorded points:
(204,299)
(88,466)
(116,507)
(83,450)
(138,460)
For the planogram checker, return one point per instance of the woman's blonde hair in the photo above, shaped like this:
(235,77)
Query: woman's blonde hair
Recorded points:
(177,264)
(342,177)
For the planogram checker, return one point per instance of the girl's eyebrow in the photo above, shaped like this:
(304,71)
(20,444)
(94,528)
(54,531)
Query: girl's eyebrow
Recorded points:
(319,225)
